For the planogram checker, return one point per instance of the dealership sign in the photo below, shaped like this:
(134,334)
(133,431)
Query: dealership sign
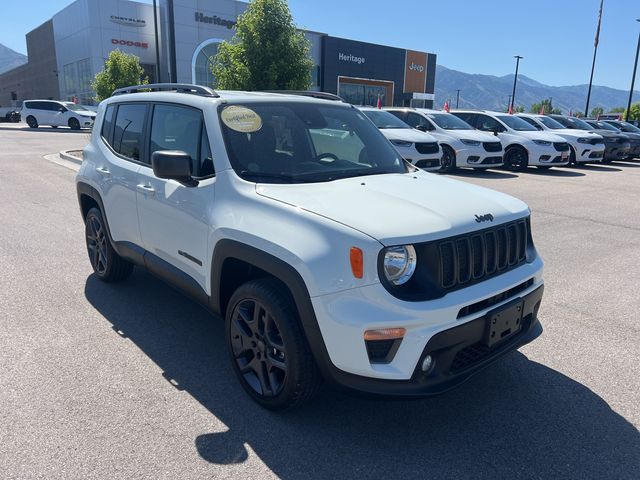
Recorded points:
(129,22)
(351,58)
(215,20)
(129,43)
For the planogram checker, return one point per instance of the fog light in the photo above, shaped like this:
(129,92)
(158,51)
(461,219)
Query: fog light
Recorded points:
(427,363)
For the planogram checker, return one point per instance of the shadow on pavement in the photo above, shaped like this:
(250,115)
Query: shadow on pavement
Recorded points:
(518,419)
(596,167)
(490,174)
(554,172)
(628,163)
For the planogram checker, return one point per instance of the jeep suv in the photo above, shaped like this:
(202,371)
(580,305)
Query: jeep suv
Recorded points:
(328,256)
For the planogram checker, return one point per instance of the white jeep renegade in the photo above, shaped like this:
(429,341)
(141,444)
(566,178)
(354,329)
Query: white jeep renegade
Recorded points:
(295,219)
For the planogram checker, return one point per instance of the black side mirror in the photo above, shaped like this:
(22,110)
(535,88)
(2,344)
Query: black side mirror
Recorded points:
(422,128)
(173,165)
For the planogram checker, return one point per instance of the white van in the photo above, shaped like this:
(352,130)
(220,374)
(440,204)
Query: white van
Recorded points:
(56,114)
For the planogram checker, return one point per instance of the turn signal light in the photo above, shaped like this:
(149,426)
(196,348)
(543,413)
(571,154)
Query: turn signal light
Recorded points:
(384,334)
(357,262)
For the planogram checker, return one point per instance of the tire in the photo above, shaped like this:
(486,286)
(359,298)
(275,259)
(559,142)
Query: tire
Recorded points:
(448,161)
(74,124)
(54,126)
(516,159)
(107,264)
(267,347)
(32,122)
(572,157)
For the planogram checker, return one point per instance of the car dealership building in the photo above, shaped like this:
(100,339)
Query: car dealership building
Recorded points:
(66,52)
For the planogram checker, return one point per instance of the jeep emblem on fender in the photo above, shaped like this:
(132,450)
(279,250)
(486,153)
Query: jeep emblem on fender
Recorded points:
(484,218)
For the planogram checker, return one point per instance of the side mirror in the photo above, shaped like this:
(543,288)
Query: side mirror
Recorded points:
(173,165)
(62,109)
(422,128)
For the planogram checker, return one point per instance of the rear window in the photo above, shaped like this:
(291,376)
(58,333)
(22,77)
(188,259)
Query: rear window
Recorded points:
(107,123)
(128,128)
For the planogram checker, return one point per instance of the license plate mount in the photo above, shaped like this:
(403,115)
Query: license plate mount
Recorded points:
(503,323)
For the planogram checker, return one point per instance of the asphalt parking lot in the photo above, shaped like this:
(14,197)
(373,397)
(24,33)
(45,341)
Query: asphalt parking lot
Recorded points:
(133,381)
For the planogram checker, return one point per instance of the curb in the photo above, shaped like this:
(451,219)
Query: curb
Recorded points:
(66,156)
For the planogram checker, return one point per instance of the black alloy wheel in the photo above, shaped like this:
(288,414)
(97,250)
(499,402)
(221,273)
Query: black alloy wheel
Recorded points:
(448,161)
(516,159)
(258,348)
(32,122)
(74,124)
(105,261)
(268,349)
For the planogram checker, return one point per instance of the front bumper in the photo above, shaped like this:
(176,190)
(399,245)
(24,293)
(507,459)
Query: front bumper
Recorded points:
(478,157)
(458,352)
(587,153)
(542,155)
(617,151)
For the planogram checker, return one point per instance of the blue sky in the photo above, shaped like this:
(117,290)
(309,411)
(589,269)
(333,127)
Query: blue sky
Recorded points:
(554,36)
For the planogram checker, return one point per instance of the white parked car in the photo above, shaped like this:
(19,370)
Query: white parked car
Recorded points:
(523,144)
(56,114)
(586,147)
(325,260)
(462,145)
(419,148)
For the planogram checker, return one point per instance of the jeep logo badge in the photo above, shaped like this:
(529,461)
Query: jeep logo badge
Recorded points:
(484,218)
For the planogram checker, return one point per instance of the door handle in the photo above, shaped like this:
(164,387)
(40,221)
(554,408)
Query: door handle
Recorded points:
(146,189)
(103,171)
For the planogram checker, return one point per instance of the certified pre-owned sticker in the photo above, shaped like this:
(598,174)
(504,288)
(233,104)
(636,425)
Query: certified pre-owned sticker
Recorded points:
(241,119)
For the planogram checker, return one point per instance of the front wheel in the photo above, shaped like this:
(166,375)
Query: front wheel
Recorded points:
(448,162)
(516,158)
(32,122)
(269,352)
(74,124)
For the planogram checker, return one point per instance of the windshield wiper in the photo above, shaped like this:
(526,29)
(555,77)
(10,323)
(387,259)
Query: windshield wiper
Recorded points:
(267,175)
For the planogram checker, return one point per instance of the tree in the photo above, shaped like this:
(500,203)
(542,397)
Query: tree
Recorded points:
(548,107)
(266,53)
(618,110)
(518,109)
(596,112)
(120,70)
(578,114)
(634,113)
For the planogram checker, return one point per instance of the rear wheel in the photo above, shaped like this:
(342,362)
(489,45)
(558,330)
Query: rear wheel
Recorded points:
(269,352)
(74,124)
(516,158)
(107,264)
(448,161)
(32,122)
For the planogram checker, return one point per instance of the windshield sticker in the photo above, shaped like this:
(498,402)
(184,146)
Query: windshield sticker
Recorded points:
(241,119)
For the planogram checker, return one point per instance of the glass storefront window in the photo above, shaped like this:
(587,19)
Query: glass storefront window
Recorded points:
(202,63)
(363,93)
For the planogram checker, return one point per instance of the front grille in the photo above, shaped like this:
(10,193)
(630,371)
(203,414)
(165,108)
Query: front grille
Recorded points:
(595,155)
(467,357)
(491,161)
(488,302)
(492,146)
(426,163)
(559,159)
(476,256)
(561,146)
(382,351)
(425,148)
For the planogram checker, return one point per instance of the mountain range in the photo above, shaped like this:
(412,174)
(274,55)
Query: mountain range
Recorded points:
(10,59)
(492,93)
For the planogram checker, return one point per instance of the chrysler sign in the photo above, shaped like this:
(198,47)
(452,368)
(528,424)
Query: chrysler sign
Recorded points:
(129,22)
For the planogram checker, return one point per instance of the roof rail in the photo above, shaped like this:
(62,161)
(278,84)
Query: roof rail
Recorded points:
(309,93)
(169,87)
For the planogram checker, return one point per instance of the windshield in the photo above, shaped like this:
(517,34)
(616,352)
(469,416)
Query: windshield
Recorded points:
(74,107)
(516,123)
(573,122)
(551,123)
(604,126)
(627,127)
(383,119)
(449,122)
(303,142)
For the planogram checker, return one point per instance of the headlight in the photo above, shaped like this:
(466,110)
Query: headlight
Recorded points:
(470,142)
(401,143)
(399,264)
(584,140)
(541,142)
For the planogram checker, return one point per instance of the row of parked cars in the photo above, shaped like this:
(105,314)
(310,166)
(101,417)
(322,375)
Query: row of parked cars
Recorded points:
(440,141)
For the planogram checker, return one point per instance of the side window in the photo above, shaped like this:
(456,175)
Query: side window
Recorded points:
(488,124)
(470,118)
(416,121)
(401,115)
(181,128)
(107,123)
(30,105)
(532,122)
(129,125)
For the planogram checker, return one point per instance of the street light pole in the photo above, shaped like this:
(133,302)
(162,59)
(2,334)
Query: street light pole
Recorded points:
(508,103)
(458,96)
(515,81)
(633,78)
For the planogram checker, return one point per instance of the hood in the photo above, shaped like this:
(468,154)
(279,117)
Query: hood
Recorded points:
(608,133)
(85,113)
(400,209)
(408,135)
(572,133)
(546,136)
(471,135)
